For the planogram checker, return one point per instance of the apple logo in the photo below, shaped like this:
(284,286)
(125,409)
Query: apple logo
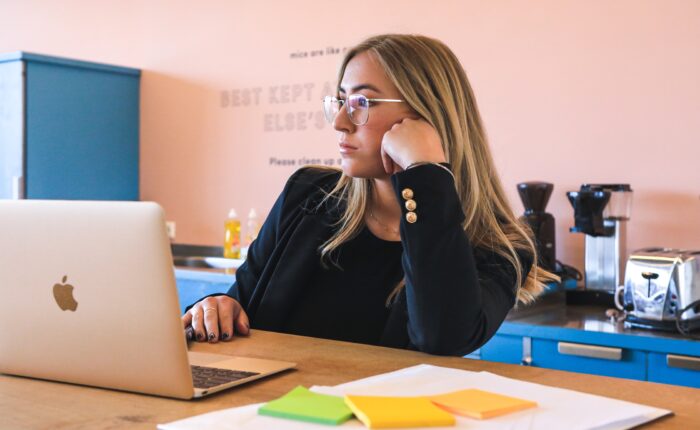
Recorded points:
(63,293)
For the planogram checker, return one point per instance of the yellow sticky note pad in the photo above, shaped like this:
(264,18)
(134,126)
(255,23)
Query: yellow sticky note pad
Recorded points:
(480,404)
(385,412)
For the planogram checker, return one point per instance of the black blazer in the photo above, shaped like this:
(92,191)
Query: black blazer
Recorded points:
(455,296)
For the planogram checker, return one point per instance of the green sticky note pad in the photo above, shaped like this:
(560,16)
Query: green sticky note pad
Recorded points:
(304,405)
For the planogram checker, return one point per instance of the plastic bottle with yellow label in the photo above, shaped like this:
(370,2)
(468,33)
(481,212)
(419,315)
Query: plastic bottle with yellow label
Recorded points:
(232,240)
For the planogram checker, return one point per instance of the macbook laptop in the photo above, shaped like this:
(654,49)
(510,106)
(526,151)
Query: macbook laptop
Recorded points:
(89,297)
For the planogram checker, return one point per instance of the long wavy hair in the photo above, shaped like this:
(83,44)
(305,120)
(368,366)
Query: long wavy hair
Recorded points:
(432,81)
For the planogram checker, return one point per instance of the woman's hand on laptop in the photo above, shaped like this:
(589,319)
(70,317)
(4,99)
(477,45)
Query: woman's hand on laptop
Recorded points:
(215,318)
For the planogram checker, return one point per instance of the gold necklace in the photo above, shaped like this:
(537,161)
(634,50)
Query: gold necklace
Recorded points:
(382,225)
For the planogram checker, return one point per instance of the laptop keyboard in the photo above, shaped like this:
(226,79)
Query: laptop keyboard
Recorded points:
(207,377)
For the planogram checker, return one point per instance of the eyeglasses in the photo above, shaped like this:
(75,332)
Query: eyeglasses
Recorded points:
(356,105)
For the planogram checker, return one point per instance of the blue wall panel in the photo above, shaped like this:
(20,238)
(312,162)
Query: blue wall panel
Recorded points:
(82,133)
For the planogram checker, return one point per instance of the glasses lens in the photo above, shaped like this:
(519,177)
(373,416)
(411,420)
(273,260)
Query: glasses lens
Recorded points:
(358,108)
(330,108)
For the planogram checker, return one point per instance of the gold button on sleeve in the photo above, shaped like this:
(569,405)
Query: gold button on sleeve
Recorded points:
(411,217)
(410,205)
(407,193)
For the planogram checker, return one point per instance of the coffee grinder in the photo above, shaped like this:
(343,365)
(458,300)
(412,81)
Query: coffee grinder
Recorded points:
(535,196)
(601,212)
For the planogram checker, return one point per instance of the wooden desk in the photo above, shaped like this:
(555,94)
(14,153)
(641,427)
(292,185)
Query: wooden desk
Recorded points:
(28,403)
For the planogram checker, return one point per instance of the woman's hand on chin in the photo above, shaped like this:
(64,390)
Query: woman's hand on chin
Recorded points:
(410,141)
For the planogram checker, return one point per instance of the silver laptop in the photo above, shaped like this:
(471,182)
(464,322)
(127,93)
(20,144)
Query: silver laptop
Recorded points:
(89,297)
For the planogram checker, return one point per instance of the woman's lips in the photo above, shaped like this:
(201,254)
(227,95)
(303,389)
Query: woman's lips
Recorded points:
(346,148)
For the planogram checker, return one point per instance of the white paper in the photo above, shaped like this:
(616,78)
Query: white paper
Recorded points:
(557,408)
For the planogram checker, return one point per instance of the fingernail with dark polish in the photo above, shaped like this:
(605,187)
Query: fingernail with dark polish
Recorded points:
(224,336)
(212,336)
(200,336)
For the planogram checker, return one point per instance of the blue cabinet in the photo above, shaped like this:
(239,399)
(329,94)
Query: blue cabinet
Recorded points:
(674,369)
(595,347)
(504,349)
(586,358)
(192,285)
(69,129)
(569,356)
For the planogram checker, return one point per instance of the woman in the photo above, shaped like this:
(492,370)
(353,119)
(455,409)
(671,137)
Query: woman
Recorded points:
(413,245)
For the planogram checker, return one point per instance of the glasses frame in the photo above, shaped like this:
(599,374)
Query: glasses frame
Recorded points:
(332,100)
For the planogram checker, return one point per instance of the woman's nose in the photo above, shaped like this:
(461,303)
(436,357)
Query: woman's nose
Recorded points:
(342,122)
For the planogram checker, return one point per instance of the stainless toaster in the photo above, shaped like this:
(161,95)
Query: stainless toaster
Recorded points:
(662,289)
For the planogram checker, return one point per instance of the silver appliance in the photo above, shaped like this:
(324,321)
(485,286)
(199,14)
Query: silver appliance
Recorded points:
(662,289)
(601,212)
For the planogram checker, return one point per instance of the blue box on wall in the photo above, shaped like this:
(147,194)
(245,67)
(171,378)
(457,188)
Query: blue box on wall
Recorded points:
(68,129)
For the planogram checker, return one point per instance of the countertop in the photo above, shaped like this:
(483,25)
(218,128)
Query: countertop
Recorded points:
(551,317)
(319,362)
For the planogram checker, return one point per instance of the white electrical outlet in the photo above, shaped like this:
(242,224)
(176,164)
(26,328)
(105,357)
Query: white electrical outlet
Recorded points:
(170,226)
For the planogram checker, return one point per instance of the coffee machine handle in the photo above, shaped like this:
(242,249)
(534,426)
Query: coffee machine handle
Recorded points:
(620,290)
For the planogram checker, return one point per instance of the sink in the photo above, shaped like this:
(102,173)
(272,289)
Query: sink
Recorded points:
(184,250)
(207,262)
(199,256)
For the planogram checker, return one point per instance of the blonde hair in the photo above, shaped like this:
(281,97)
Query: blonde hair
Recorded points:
(432,81)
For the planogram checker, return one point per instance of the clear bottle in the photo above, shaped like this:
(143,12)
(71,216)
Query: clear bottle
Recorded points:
(252,227)
(232,240)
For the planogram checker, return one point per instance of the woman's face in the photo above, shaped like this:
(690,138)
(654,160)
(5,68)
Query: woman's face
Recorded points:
(360,144)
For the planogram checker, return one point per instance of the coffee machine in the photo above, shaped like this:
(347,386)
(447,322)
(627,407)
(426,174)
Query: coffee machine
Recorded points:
(601,212)
(535,196)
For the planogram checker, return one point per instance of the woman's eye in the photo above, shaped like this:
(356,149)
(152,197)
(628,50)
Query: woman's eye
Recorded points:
(359,102)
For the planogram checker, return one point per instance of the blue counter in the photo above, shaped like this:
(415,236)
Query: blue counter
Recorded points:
(192,285)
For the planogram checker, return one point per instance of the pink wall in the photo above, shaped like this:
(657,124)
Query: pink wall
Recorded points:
(571,92)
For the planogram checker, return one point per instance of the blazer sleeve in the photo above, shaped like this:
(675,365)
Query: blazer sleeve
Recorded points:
(454,304)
